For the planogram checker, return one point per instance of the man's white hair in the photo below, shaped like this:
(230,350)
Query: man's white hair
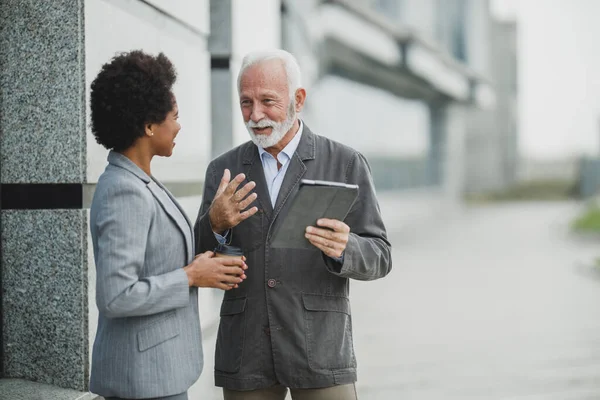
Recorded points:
(292,70)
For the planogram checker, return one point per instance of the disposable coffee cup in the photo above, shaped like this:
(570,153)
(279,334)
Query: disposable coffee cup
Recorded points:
(228,251)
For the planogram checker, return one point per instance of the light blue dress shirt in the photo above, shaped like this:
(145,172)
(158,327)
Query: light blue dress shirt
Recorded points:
(273,176)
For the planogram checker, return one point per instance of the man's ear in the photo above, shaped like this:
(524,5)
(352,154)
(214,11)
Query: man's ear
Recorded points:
(300,97)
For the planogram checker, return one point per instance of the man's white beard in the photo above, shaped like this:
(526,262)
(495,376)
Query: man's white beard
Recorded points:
(278,129)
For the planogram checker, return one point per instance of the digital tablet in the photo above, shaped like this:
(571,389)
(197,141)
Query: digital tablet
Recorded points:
(314,200)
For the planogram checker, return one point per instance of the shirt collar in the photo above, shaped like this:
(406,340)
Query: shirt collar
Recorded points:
(291,147)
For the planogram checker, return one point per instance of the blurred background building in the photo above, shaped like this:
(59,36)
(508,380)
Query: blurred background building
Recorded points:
(426,89)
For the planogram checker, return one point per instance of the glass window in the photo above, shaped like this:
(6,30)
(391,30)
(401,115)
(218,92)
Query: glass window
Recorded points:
(389,8)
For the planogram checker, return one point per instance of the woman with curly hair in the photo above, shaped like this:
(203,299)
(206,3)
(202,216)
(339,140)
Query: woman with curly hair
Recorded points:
(148,342)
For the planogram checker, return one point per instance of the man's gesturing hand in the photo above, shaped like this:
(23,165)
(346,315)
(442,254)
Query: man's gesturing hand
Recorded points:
(330,241)
(227,208)
(216,272)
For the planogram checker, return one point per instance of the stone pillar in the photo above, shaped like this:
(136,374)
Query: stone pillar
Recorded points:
(43,168)
(437,143)
(454,174)
(445,161)
(50,51)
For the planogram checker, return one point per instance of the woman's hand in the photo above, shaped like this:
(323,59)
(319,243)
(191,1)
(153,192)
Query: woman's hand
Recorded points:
(216,272)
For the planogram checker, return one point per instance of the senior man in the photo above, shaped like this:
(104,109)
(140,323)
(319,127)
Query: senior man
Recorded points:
(289,324)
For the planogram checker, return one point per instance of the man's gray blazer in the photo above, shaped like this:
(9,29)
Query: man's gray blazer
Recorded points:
(148,341)
(289,321)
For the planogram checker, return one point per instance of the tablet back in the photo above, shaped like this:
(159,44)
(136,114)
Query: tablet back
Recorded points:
(314,200)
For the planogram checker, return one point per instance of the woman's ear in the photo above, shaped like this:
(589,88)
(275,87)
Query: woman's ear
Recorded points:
(149,130)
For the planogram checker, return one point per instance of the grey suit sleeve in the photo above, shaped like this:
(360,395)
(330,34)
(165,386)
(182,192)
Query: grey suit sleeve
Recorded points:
(368,252)
(123,224)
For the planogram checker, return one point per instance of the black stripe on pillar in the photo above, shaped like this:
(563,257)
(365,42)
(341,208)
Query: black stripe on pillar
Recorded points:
(1,299)
(36,196)
(219,63)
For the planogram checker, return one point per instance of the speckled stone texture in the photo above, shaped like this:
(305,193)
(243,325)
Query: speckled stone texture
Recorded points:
(17,389)
(44,259)
(42,89)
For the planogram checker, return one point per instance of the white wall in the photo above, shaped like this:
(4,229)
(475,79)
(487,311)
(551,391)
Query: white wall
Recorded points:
(112,26)
(370,120)
(421,16)
(191,12)
(256,25)
(301,30)
(478,36)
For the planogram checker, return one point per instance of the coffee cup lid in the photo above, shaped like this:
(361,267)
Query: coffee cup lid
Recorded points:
(228,250)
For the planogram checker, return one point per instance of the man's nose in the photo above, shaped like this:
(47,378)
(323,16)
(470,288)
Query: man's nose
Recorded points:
(257,113)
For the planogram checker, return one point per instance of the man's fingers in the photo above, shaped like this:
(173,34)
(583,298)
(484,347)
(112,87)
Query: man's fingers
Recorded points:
(243,192)
(334,224)
(224,182)
(233,185)
(319,240)
(247,201)
(247,214)
(330,244)
(328,234)
(316,241)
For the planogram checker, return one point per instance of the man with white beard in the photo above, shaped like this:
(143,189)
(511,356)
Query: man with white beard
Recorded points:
(288,324)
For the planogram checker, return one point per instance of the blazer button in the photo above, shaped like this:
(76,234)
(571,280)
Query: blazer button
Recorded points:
(271,283)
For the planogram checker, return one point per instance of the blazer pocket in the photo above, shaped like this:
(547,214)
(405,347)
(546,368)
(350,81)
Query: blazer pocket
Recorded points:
(328,327)
(231,335)
(157,333)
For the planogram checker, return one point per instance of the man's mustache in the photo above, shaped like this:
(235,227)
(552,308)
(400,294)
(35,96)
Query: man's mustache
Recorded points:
(263,123)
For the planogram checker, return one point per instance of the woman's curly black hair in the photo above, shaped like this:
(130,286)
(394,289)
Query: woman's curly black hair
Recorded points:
(130,91)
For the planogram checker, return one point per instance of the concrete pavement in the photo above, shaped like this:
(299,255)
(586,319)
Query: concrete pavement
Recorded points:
(483,303)
(487,304)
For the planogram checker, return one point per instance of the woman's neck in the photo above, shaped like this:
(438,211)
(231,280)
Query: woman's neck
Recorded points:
(140,157)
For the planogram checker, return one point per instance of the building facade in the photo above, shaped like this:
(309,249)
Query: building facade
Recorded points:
(396,79)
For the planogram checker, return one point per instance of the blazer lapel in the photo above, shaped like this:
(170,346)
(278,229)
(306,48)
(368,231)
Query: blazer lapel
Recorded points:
(162,195)
(255,172)
(295,172)
(172,208)
(180,218)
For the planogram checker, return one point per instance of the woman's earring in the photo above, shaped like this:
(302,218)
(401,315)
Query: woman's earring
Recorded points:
(151,133)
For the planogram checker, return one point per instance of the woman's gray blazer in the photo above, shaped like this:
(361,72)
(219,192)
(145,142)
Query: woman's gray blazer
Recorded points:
(148,342)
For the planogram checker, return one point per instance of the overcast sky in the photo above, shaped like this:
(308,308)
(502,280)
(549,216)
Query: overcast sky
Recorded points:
(559,75)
